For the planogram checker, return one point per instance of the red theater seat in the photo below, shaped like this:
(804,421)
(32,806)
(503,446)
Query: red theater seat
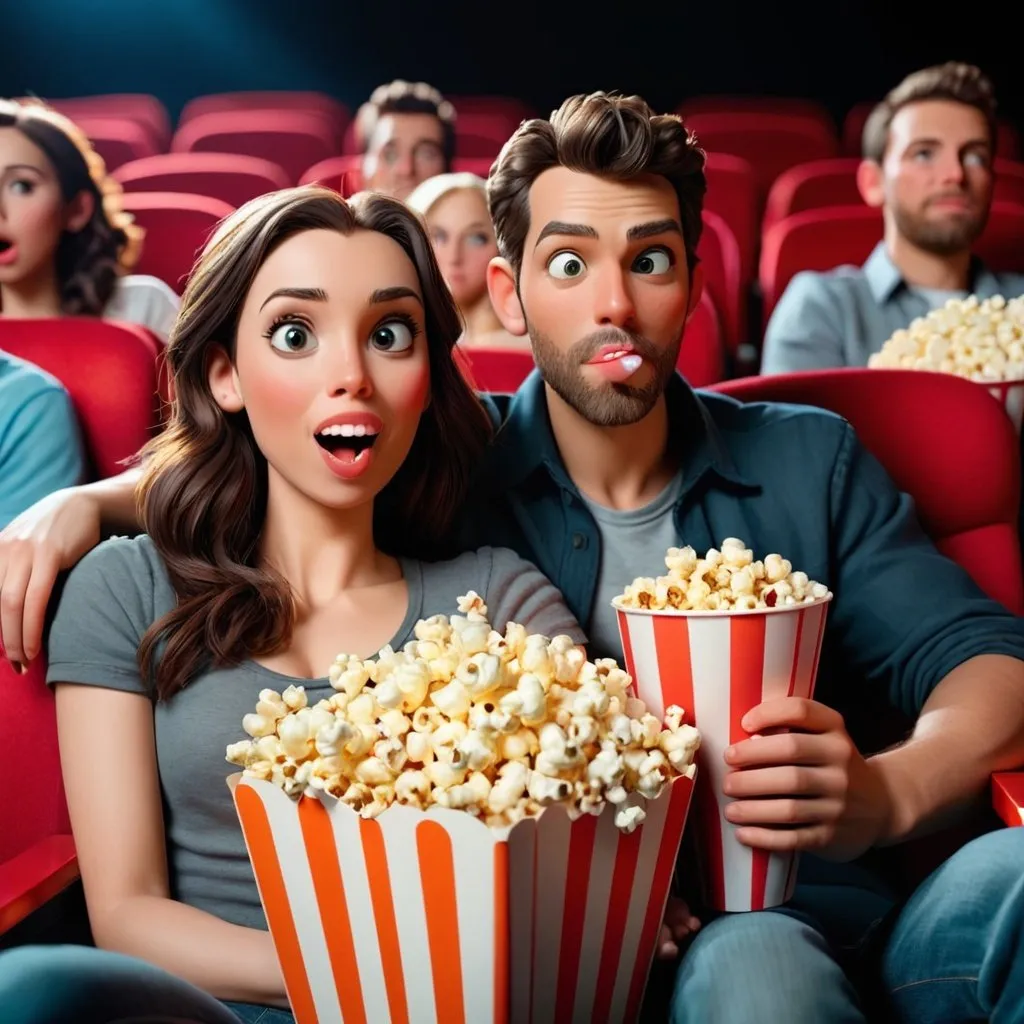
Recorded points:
(326,107)
(229,177)
(177,227)
(719,254)
(117,140)
(733,195)
(141,108)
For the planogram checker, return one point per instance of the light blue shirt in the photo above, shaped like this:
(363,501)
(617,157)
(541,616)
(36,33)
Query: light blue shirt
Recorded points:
(842,317)
(40,444)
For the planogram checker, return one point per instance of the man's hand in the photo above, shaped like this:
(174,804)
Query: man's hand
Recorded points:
(805,789)
(679,925)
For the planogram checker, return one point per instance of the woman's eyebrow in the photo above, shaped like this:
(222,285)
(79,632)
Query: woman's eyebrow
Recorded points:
(390,294)
(309,294)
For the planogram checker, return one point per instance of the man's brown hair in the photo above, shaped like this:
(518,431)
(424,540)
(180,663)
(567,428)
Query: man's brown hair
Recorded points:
(603,134)
(961,83)
(401,97)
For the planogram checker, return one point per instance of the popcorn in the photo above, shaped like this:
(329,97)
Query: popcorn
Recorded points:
(980,339)
(499,725)
(729,579)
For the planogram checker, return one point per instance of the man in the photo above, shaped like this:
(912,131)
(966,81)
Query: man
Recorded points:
(407,131)
(605,459)
(928,150)
(40,448)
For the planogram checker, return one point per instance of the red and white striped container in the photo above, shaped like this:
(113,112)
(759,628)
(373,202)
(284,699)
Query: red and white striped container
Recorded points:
(1010,394)
(432,917)
(717,666)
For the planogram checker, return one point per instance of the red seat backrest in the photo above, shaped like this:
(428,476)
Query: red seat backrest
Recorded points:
(230,177)
(702,354)
(141,108)
(945,441)
(334,111)
(719,254)
(770,143)
(787,106)
(733,194)
(177,227)
(494,368)
(833,236)
(118,140)
(110,371)
(293,139)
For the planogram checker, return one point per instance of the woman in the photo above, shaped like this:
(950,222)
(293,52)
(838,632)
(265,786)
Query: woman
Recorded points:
(65,244)
(321,440)
(454,208)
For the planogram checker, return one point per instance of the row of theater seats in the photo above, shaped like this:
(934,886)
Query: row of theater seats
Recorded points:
(943,439)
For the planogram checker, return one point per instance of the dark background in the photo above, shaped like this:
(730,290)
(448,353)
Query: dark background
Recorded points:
(837,52)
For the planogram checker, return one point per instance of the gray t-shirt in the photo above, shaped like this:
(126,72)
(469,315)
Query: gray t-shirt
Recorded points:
(121,588)
(633,543)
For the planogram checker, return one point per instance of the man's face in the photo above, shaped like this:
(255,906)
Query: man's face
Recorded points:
(404,150)
(605,291)
(937,175)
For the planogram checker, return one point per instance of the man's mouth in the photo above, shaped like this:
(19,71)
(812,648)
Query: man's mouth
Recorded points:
(617,362)
(347,442)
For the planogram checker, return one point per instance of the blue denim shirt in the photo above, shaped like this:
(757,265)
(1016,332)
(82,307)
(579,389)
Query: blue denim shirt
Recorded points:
(784,478)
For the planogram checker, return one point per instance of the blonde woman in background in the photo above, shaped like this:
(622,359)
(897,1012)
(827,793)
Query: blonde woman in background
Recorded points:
(454,208)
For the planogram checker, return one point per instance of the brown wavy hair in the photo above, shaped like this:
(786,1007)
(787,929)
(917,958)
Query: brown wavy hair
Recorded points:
(603,134)
(203,495)
(88,261)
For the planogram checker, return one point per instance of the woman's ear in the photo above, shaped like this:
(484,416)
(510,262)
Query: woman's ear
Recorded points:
(223,381)
(501,285)
(79,211)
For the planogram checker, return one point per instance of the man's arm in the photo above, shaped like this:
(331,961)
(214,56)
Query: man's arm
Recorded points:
(805,331)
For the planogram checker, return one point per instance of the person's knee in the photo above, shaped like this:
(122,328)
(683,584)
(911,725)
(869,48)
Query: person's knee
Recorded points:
(760,967)
(40,984)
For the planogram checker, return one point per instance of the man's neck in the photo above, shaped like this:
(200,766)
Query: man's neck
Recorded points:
(618,467)
(922,269)
(31,300)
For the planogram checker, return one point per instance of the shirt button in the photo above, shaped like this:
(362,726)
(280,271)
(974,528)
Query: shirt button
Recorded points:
(579,541)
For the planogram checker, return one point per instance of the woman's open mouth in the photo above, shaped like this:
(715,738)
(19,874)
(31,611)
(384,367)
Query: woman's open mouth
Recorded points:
(8,252)
(346,443)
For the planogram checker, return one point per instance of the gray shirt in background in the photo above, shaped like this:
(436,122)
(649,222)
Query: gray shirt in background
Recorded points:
(121,588)
(842,317)
(633,543)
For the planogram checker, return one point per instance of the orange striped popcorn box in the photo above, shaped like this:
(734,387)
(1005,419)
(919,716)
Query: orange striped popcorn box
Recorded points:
(1010,395)
(434,917)
(717,665)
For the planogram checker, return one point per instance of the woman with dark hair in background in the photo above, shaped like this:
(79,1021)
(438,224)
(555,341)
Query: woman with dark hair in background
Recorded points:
(65,245)
(320,442)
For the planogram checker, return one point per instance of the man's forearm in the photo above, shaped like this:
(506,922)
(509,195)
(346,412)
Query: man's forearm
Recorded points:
(972,725)
(115,498)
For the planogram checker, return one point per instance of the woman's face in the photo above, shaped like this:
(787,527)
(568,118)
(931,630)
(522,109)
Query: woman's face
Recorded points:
(331,365)
(463,238)
(32,210)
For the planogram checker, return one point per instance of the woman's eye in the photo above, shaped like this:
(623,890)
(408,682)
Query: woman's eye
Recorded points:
(394,336)
(478,240)
(565,266)
(21,187)
(653,261)
(292,338)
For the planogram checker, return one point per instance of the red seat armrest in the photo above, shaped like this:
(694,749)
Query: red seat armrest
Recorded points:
(35,876)
(1008,796)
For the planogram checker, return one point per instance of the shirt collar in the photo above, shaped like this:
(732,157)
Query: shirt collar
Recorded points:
(884,278)
(525,443)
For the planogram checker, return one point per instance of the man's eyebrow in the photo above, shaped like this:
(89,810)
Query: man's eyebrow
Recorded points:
(390,294)
(653,227)
(309,294)
(561,227)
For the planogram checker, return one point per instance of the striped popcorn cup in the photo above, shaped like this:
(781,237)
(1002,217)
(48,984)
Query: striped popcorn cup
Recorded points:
(433,917)
(1010,395)
(717,666)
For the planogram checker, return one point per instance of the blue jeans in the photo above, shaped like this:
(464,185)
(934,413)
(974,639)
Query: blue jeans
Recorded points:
(57,984)
(955,952)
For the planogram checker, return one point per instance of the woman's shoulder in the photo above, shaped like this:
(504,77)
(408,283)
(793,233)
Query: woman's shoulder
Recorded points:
(129,569)
(476,569)
(144,300)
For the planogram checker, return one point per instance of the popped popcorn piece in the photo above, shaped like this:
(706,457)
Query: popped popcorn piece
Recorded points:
(498,725)
(979,339)
(725,580)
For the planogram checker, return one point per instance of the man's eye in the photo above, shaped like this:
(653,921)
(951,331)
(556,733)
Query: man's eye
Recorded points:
(566,265)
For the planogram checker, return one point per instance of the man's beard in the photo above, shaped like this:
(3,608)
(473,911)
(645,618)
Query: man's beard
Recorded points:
(609,404)
(942,238)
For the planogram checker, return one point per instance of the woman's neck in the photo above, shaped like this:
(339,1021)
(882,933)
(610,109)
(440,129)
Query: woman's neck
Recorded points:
(481,320)
(31,299)
(320,551)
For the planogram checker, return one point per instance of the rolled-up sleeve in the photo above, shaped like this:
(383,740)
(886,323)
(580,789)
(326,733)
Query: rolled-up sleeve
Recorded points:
(904,614)
(805,331)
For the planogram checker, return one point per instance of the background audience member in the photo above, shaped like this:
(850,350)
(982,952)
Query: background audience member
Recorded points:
(454,208)
(407,131)
(65,245)
(40,447)
(928,151)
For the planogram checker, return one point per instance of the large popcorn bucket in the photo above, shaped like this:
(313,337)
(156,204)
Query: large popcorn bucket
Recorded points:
(432,916)
(1010,395)
(717,666)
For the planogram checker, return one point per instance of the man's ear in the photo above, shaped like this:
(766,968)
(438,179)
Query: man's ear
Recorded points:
(79,211)
(870,184)
(696,289)
(223,381)
(501,284)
